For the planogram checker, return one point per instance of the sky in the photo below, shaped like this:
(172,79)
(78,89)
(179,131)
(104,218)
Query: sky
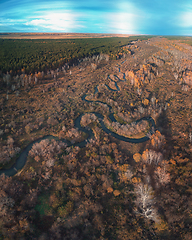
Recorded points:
(155,17)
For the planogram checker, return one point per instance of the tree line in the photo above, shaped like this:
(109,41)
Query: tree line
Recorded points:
(17,55)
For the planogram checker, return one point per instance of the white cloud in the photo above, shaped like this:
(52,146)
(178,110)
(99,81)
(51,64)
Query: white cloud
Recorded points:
(186,19)
(126,19)
(121,22)
(9,21)
(70,17)
(66,21)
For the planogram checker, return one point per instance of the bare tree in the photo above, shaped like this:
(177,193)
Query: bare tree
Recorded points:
(94,66)
(152,157)
(36,80)
(145,202)
(162,176)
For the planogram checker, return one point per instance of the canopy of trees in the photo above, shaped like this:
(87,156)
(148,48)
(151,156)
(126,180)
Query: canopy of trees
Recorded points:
(38,55)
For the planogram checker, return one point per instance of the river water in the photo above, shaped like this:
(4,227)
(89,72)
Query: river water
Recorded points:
(21,160)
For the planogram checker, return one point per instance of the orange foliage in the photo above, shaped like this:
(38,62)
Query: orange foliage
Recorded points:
(157,140)
(109,189)
(172,161)
(136,180)
(123,168)
(116,193)
(137,157)
(146,102)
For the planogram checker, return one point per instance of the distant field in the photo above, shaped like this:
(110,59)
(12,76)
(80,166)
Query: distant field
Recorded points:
(58,35)
(178,37)
(183,39)
(188,41)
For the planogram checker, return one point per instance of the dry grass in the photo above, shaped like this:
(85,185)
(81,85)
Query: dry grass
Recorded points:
(58,35)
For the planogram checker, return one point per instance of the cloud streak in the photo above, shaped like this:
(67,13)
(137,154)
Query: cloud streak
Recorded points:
(109,16)
(65,21)
(186,19)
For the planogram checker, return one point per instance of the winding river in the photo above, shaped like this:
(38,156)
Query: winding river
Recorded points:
(21,160)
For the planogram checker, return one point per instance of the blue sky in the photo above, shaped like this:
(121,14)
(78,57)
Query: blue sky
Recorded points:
(158,17)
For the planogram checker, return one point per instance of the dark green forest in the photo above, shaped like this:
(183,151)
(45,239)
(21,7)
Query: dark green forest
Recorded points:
(39,55)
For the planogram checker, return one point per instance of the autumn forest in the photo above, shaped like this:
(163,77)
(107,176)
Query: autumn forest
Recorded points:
(96,138)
